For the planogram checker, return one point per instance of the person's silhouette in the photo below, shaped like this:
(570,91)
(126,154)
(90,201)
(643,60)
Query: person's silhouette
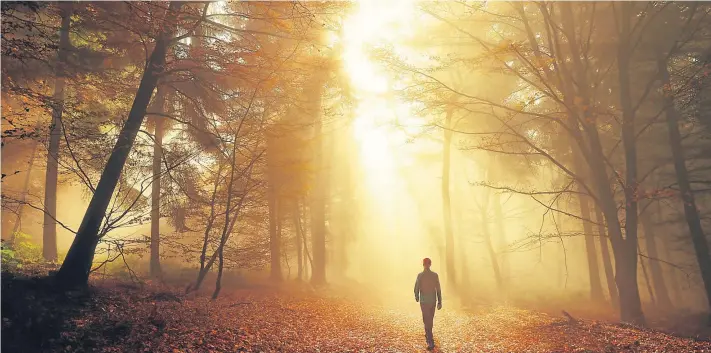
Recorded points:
(428,293)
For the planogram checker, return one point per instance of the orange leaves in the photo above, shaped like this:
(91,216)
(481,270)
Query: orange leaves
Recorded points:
(291,320)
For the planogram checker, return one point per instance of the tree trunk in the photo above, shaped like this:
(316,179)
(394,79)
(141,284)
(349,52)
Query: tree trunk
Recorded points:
(465,285)
(591,253)
(273,200)
(624,249)
(25,191)
(647,281)
(49,230)
(227,226)
(671,271)
(672,274)
(500,247)
(77,265)
(660,286)
(344,210)
(285,253)
(489,243)
(606,261)
(501,237)
(220,266)
(155,186)
(446,202)
(593,267)
(463,280)
(629,142)
(296,214)
(318,221)
(319,195)
(308,261)
(274,236)
(578,167)
(691,213)
(211,218)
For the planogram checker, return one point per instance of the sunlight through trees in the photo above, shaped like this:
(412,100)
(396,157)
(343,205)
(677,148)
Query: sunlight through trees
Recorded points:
(545,155)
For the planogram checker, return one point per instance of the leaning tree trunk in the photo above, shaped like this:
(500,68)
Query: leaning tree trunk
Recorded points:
(49,230)
(77,265)
(155,186)
(446,201)
(693,220)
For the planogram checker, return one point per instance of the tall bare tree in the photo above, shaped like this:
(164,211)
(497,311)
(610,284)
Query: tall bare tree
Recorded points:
(49,232)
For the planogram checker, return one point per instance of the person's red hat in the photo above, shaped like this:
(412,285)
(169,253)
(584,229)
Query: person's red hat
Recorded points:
(427,261)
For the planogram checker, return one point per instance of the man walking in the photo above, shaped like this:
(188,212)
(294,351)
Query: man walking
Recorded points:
(428,293)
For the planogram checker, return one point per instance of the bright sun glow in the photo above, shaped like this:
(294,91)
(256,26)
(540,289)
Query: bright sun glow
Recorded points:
(376,24)
(390,229)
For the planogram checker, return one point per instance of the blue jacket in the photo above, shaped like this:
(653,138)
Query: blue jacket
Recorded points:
(427,289)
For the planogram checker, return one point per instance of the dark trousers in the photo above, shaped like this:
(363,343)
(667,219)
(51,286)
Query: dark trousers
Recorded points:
(428,311)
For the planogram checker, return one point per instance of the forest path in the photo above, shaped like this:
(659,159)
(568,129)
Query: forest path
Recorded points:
(307,323)
(117,318)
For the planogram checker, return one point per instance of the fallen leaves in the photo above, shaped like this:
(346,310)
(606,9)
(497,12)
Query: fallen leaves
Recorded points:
(152,320)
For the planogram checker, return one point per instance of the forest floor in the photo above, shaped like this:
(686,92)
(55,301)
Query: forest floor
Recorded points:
(121,317)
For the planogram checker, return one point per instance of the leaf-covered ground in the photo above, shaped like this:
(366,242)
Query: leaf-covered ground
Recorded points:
(117,318)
